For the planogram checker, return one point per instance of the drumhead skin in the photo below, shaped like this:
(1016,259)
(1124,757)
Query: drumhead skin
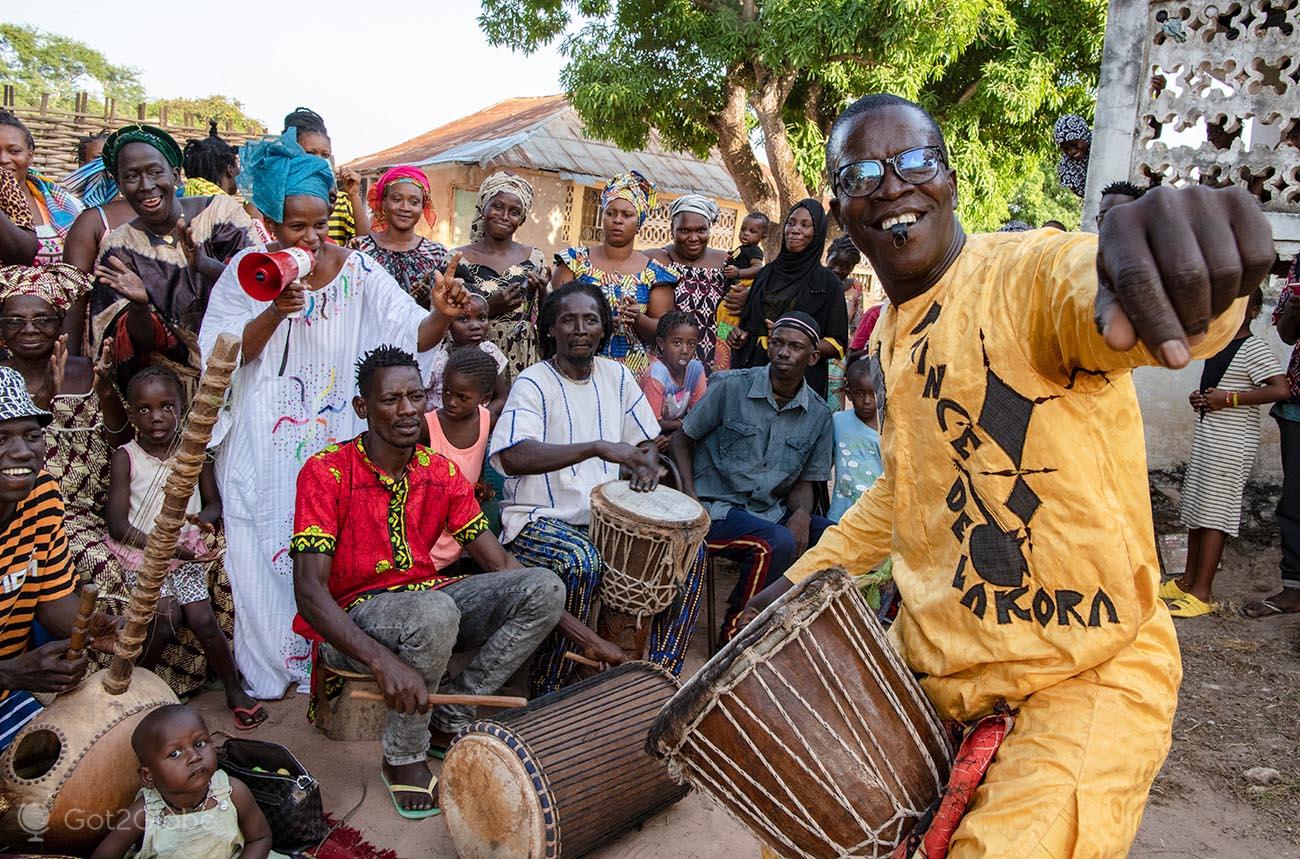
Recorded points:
(493,811)
(562,776)
(663,505)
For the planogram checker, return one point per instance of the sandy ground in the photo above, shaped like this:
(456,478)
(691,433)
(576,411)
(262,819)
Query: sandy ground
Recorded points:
(1237,710)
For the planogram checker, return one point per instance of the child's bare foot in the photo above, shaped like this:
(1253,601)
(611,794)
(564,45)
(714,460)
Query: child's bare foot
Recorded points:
(249,712)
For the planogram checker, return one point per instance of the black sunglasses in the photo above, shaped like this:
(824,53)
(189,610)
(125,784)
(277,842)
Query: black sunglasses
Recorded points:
(861,178)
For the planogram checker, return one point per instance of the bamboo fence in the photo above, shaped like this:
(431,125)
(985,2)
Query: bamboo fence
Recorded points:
(57,130)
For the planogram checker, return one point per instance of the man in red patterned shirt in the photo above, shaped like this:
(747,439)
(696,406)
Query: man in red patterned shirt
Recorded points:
(368,514)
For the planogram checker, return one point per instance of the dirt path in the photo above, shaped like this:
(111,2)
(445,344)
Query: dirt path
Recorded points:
(1239,708)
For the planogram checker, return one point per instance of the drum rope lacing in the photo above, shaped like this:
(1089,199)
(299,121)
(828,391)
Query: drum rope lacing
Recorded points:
(861,756)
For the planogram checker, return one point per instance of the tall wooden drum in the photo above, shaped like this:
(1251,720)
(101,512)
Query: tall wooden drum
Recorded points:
(809,730)
(647,541)
(562,776)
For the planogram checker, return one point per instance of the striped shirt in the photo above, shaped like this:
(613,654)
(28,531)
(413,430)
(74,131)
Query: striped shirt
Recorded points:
(34,565)
(546,406)
(343,223)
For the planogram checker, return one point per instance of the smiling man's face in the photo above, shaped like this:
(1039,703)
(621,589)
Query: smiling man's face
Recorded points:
(928,207)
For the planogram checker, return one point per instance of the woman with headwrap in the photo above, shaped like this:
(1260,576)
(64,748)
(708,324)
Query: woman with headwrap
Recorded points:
(155,272)
(89,421)
(292,393)
(397,201)
(795,281)
(1074,138)
(639,289)
(511,275)
(702,284)
(51,207)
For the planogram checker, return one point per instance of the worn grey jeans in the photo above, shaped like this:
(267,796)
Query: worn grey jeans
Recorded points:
(505,614)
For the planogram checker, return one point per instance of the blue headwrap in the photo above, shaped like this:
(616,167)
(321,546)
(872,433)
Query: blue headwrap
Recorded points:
(279,168)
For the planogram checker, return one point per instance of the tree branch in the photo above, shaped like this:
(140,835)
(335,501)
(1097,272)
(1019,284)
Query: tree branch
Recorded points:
(733,145)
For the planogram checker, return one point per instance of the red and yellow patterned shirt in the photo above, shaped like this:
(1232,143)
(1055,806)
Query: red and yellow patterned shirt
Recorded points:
(380,530)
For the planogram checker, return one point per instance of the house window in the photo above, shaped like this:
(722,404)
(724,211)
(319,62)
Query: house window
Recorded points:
(462,216)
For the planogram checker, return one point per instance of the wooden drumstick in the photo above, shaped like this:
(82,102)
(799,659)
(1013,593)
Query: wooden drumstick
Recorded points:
(580,659)
(504,702)
(81,626)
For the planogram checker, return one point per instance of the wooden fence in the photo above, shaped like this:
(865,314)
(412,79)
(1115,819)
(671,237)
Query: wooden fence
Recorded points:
(57,131)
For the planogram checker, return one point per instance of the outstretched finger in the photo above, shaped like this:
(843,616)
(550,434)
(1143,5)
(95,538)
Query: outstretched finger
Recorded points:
(452,265)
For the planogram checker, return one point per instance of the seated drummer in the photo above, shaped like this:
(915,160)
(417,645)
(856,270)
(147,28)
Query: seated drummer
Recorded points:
(568,425)
(369,512)
(762,438)
(36,583)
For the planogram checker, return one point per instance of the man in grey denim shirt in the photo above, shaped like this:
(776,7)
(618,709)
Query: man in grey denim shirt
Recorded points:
(762,438)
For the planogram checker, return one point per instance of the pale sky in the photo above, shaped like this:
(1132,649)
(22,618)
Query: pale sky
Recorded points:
(379,72)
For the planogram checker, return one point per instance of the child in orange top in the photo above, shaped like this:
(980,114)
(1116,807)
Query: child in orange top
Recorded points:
(460,428)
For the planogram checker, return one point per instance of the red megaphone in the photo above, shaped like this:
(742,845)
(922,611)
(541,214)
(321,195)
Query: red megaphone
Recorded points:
(264,276)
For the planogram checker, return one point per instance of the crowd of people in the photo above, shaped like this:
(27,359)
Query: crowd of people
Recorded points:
(405,460)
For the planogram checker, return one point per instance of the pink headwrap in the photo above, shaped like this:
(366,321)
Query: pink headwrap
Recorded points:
(403,173)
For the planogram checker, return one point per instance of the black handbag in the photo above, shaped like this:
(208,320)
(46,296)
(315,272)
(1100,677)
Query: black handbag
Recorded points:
(291,803)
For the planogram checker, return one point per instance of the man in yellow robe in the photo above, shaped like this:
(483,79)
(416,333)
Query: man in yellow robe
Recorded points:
(1014,501)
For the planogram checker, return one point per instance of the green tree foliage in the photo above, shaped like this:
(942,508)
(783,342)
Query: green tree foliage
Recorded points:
(995,73)
(225,110)
(36,63)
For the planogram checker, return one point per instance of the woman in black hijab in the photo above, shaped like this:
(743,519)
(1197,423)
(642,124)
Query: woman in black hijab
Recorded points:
(795,280)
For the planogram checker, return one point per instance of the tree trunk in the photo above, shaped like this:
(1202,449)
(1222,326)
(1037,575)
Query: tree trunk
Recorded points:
(769,103)
(733,143)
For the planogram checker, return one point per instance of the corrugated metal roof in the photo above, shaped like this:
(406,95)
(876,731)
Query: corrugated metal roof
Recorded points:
(547,134)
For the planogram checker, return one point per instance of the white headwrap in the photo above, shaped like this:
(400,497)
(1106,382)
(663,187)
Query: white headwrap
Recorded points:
(508,182)
(696,203)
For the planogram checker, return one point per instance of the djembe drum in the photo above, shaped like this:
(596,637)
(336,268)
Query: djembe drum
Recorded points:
(563,775)
(647,541)
(809,730)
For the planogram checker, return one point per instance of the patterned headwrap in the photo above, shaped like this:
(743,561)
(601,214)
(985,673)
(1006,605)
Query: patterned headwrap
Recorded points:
(1072,172)
(151,134)
(493,185)
(633,187)
(1071,127)
(92,183)
(412,175)
(59,284)
(697,203)
(1014,227)
(280,168)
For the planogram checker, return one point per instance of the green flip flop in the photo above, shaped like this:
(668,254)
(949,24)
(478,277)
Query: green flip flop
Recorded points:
(411,814)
